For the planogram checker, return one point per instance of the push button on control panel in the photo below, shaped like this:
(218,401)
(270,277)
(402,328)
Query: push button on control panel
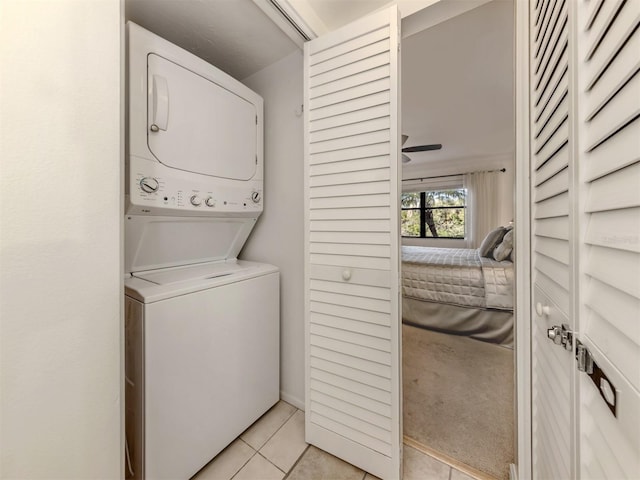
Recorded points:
(196,201)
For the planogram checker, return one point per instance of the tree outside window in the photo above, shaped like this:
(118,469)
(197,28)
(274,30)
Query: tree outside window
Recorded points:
(434,214)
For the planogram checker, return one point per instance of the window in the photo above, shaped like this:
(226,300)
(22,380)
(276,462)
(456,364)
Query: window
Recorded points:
(434,214)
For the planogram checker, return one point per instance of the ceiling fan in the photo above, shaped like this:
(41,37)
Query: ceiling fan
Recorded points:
(417,148)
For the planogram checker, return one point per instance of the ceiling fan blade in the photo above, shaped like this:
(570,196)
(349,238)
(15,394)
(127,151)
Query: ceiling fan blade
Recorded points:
(422,148)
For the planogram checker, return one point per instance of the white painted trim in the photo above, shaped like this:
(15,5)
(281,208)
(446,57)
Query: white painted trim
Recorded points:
(121,160)
(307,282)
(575,239)
(396,290)
(523,243)
(276,17)
(292,400)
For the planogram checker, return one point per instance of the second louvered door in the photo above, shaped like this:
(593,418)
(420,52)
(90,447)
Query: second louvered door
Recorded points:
(585,158)
(608,159)
(352,254)
(552,367)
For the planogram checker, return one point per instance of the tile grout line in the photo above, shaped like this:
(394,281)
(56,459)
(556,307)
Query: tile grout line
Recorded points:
(278,429)
(266,459)
(245,463)
(286,475)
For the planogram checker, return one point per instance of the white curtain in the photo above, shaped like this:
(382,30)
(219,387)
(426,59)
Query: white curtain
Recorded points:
(482,206)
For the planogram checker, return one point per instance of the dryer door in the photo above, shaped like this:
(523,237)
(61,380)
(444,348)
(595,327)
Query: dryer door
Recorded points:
(198,126)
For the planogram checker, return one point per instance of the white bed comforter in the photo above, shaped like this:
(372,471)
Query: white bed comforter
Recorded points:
(457,276)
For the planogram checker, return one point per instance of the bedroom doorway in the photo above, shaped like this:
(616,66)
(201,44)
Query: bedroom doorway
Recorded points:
(457,234)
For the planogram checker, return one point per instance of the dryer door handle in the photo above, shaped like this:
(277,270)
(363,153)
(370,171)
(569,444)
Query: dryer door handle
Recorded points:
(160,103)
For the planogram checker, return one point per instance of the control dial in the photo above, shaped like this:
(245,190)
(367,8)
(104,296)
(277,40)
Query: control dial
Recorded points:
(210,202)
(255,196)
(149,185)
(196,201)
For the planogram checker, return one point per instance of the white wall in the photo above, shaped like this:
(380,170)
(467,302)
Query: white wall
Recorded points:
(60,282)
(278,238)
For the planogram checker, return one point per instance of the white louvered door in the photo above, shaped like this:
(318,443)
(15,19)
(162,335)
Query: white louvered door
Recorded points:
(585,185)
(351,245)
(608,158)
(552,284)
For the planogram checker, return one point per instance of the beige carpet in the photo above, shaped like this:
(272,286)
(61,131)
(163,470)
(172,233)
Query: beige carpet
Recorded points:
(458,398)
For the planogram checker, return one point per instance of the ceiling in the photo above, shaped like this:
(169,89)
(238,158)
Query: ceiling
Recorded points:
(457,86)
(334,14)
(234,35)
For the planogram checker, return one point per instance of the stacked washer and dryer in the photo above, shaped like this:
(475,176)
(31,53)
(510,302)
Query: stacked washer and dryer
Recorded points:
(202,328)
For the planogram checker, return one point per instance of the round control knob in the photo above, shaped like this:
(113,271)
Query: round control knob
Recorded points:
(196,201)
(255,196)
(149,185)
(210,202)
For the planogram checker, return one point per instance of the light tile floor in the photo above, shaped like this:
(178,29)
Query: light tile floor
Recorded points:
(273,448)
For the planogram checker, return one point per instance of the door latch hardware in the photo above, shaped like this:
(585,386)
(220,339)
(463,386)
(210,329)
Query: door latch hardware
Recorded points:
(584,358)
(587,364)
(561,336)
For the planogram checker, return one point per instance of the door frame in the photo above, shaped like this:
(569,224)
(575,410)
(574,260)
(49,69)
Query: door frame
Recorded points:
(522,244)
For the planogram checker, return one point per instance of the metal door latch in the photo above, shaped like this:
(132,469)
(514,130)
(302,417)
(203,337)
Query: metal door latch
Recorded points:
(561,336)
(588,365)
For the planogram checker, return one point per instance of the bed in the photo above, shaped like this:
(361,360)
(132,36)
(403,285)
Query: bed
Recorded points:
(459,291)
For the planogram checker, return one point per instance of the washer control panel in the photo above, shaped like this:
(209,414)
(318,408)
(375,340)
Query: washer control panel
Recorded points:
(152,194)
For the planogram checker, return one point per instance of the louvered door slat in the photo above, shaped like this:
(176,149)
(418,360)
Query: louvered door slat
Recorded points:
(351,100)
(376,123)
(625,223)
(379,43)
(355,367)
(553,207)
(359,375)
(543,96)
(374,110)
(352,326)
(351,252)
(608,156)
(552,228)
(355,398)
(551,60)
(552,30)
(354,153)
(608,77)
(357,165)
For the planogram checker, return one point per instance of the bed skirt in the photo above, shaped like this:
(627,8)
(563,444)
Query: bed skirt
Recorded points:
(495,326)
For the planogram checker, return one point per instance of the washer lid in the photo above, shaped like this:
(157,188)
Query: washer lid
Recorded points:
(153,242)
(207,271)
(158,285)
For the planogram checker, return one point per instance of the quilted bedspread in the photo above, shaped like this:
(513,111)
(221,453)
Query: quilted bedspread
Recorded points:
(457,276)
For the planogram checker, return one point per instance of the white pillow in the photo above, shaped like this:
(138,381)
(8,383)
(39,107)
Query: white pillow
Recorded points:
(504,248)
(493,238)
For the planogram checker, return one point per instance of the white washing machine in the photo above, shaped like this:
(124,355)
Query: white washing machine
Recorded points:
(202,328)
(201,362)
